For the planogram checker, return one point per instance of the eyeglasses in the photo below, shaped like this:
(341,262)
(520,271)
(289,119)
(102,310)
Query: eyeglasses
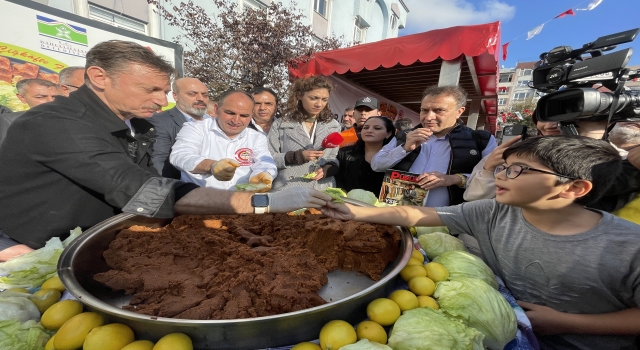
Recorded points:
(73,86)
(513,171)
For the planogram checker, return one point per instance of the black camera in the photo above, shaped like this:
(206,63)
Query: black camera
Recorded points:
(568,79)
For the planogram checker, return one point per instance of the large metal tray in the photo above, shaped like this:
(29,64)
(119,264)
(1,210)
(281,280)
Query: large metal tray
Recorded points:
(347,294)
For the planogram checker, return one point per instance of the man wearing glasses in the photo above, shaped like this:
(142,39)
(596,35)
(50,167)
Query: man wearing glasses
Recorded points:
(71,79)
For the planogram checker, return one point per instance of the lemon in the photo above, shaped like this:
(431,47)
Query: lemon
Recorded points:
(414,261)
(51,297)
(336,334)
(174,341)
(139,345)
(372,331)
(417,255)
(405,299)
(113,336)
(49,344)
(304,346)
(436,271)
(59,313)
(54,283)
(73,332)
(18,290)
(383,311)
(411,271)
(422,286)
(425,301)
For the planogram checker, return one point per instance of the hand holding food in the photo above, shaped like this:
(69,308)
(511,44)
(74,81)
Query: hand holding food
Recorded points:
(262,178)
(224,169)
(294,198)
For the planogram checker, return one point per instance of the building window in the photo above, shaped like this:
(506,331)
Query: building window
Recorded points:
(394,21)
(360,34)
(526,72)
(520,96)
(117,20)
(503,90)
(502,102)
(320,6)
(505,78)
(523,82)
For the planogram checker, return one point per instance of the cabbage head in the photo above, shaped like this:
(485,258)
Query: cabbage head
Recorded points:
(17,307)
(428,329)
(16,335)
(481,307)
(437,243)
(363,196)
(365,344)
(423,230)
(464,264)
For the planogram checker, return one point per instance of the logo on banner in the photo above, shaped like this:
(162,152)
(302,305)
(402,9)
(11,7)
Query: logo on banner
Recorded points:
(244,156)
(62,37)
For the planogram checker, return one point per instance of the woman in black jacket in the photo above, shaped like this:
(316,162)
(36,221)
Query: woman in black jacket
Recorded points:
(355,161)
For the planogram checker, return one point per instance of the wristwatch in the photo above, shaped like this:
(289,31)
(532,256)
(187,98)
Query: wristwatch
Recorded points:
(464,180)
(260,203)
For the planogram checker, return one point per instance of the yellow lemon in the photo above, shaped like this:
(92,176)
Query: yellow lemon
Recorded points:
(411,271)
(425,301)
(18,290)
(422,286)
(336,334)
(139,345)
(174,341)
(305,346)
(414,261)
(73,332)
(113,336)
(436,271)
(383,311)
(59,313)
(49,344)
(54,283)
(405,299)
(372,331)
(417,255)
(51,296)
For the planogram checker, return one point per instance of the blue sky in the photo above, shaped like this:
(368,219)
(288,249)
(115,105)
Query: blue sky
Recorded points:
(519,16)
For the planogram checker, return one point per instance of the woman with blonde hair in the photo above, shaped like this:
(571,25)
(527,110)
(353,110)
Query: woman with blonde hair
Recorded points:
(295,140)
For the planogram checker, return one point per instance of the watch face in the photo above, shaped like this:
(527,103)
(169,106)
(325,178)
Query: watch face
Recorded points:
(259,200)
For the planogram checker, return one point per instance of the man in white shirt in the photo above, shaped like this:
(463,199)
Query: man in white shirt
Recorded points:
(191,97)
(222,152)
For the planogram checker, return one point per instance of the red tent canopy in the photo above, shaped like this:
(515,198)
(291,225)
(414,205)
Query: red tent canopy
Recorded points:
(414,60)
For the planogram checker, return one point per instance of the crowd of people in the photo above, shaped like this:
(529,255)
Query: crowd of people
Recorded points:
(551,215)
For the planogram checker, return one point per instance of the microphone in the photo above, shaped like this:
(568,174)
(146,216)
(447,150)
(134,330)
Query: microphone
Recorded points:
(332,140)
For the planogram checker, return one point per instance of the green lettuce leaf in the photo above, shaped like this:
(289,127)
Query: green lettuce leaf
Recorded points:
(335,193)
(363,196)
(16,335)
(32,269)
(437,243)
(310,175)
(428,329)
(479,306)
(463,264)
(251,187)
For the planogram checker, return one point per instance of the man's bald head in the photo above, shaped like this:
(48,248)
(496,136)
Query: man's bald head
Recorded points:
(191,96)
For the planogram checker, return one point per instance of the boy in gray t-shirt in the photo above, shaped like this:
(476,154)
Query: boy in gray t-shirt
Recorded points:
(575,271)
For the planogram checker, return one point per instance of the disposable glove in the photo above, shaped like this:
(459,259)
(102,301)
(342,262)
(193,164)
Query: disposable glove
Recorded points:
(224,169)
(294,198)
(262,178)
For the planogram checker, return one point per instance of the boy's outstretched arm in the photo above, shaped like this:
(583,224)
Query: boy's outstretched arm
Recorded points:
(546,321)
(397,216)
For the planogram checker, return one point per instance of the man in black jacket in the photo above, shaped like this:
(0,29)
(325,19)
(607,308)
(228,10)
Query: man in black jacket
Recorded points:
(80,160)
